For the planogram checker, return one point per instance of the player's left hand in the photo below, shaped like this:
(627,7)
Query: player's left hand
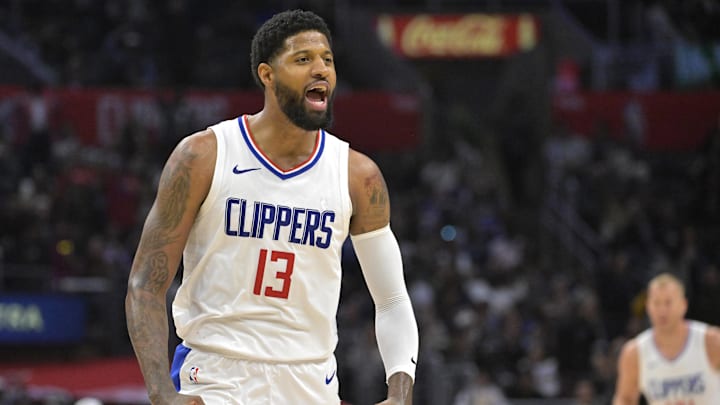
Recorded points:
(399,390)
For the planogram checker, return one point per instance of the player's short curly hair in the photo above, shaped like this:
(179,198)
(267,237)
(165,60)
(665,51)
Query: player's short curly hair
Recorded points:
(269,39)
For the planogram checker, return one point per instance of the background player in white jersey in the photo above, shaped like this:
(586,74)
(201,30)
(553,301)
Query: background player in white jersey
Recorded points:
(676,361)
(258,208)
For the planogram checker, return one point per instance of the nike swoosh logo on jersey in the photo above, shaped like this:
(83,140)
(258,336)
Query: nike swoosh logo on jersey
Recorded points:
(237,170)
(329,380)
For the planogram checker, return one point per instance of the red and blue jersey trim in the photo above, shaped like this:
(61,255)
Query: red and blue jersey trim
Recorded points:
(265,161)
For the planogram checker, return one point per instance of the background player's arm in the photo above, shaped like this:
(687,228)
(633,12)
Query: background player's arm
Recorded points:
(371,212)
(627,387)
(184,183)
(712,342)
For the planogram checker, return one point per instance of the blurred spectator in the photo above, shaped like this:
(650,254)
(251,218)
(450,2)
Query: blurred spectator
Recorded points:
(38,146)
(585,393)
(616,288)
(706,172)
(705,299)
(88,401)
(480,390)
(544,370)
(576,334)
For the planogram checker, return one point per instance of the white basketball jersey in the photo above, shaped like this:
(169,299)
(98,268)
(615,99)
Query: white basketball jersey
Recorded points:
(262,263)
(688,379)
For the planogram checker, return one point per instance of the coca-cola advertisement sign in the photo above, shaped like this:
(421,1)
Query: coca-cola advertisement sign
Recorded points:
(458,35)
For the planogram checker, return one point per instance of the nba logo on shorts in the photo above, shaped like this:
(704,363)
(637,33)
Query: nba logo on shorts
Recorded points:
(193,374)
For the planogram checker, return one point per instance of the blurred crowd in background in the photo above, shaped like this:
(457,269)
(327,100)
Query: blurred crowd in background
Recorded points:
(504,312)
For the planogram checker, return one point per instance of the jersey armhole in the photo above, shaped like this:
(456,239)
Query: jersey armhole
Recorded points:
(344,166)
(217,173)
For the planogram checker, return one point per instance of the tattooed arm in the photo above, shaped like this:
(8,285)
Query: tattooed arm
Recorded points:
(369,195)
(378,252)
(184,183)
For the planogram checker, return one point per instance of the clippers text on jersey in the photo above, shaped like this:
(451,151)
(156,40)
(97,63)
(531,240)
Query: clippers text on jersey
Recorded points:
(260,220)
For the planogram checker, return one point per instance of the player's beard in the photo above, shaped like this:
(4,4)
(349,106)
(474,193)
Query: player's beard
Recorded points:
(293,105)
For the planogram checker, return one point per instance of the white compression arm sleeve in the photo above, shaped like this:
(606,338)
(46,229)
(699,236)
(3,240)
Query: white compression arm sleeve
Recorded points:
(395,327)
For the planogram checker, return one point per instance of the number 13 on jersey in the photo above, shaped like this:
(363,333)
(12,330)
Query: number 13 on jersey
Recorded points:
(284,274)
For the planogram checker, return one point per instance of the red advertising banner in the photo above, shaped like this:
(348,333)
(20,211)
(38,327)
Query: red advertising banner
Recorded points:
(99,116)
(667,121)
(458,35)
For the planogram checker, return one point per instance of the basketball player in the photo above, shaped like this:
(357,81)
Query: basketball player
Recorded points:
(676,361)
(258,207)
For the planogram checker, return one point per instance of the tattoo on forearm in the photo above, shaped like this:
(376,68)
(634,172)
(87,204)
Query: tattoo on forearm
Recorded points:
(157,236)
(147,325)
(156,276)
(142,328)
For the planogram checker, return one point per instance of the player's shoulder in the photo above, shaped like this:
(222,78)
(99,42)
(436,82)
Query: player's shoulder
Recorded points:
(196,154)
(361,165)
(631,347)
(713,331)
(199,143)
(712,342)
(630,351)
(712,335)
(628,361)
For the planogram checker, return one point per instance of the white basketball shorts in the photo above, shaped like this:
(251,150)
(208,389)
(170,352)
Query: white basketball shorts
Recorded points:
(220,380)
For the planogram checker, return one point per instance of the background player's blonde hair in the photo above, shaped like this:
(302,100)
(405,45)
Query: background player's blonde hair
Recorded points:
(663,279)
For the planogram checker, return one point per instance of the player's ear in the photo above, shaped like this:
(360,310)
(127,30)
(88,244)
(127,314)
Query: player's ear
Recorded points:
(265,73)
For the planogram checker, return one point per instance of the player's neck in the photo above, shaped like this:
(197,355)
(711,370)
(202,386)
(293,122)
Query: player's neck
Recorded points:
(671,336)
(283,142)
(274,121)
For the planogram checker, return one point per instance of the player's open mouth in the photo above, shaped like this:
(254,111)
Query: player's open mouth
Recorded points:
(316,96)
